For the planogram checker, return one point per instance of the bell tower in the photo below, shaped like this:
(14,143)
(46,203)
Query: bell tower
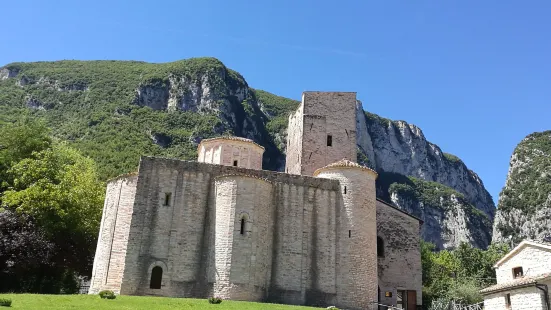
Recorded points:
(321,131)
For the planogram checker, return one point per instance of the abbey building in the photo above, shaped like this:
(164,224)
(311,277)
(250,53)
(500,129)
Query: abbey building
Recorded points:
(221,226)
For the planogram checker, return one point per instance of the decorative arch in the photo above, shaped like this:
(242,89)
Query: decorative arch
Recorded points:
(156,278)
(156,271)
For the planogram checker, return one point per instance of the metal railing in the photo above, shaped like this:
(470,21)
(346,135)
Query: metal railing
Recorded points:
(377,306)
(478,306)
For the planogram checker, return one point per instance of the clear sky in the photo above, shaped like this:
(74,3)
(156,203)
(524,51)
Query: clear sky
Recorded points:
(474,75)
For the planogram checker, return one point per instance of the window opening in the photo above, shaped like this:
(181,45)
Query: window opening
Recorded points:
(508,301)
(156,278)
(235,163)
(517,272)
(243,226)
(349,234)
(380,247)
(167,199)
(329,140)
(345,189)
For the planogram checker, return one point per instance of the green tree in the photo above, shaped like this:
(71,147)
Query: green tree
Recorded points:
(52,191)
(19,140)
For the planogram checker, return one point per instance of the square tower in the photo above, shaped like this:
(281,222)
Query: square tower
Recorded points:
(321,131)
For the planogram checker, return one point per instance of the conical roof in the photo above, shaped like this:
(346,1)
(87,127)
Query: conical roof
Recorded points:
(344,163)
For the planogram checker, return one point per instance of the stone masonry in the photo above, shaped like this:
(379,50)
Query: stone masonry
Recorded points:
(223,228)
(519,274)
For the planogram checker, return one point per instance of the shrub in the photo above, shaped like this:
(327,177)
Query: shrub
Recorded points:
(215,300)
(107,294)
(5,302)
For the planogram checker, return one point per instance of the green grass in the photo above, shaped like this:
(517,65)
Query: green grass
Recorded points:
(83,302)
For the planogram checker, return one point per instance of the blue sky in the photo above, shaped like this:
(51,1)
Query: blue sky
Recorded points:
(473,75)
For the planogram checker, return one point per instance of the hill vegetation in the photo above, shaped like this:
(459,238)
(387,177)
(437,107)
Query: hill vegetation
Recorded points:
(93,105)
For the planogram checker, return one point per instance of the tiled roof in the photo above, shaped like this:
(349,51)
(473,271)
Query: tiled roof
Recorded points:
(231,138)
(520,282)
(344,163)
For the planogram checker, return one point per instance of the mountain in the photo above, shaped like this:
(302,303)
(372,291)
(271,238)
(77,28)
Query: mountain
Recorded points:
(116,111)
(440,189)
(524,208)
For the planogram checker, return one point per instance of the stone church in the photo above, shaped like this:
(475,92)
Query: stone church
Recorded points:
(221,226)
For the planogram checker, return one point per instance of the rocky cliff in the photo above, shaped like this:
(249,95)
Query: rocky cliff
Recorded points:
(524,208)
(450,198)
(115,111)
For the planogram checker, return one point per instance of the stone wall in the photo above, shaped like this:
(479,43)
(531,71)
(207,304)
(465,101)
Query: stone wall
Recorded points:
(321,114)
(294,142)
(231,152)
(400,265)
(526,298)
(115,223)
(356,265)
(243,244)
(181,237)
(304,242)
(533,260)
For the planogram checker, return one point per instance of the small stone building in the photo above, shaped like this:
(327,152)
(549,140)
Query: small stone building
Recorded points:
(221,226)
(523,279)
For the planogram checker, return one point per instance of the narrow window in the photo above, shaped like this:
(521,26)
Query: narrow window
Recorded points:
(243,226)
(167,199)
(235,163)
(517,272)
(345,189)
(349,234)
(329,140)
(156,278)
(508,301)
(380,247)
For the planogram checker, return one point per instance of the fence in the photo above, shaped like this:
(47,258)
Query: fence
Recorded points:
(456,306)
(378,306)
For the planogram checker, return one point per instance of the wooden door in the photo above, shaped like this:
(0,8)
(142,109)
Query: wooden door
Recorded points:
(412,300)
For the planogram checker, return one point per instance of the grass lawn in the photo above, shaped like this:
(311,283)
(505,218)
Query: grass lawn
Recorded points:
(93,302)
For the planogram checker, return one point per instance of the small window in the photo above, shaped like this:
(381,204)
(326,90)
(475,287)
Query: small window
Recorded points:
(349,234)
(243,226)
(508,301)
(380,247)
(156,278)
(345,189)
(329,140)
(517,272)
(235,163)
(167,199)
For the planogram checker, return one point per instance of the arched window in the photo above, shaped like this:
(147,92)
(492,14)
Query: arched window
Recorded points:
(156,278)
(380,247)
(242,225)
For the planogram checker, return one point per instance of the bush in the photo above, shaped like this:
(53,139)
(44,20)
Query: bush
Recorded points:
(107,294)
(5,302)
(215,300)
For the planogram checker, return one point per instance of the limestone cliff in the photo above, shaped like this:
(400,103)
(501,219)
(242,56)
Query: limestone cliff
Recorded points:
(449,218)
(524,208)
